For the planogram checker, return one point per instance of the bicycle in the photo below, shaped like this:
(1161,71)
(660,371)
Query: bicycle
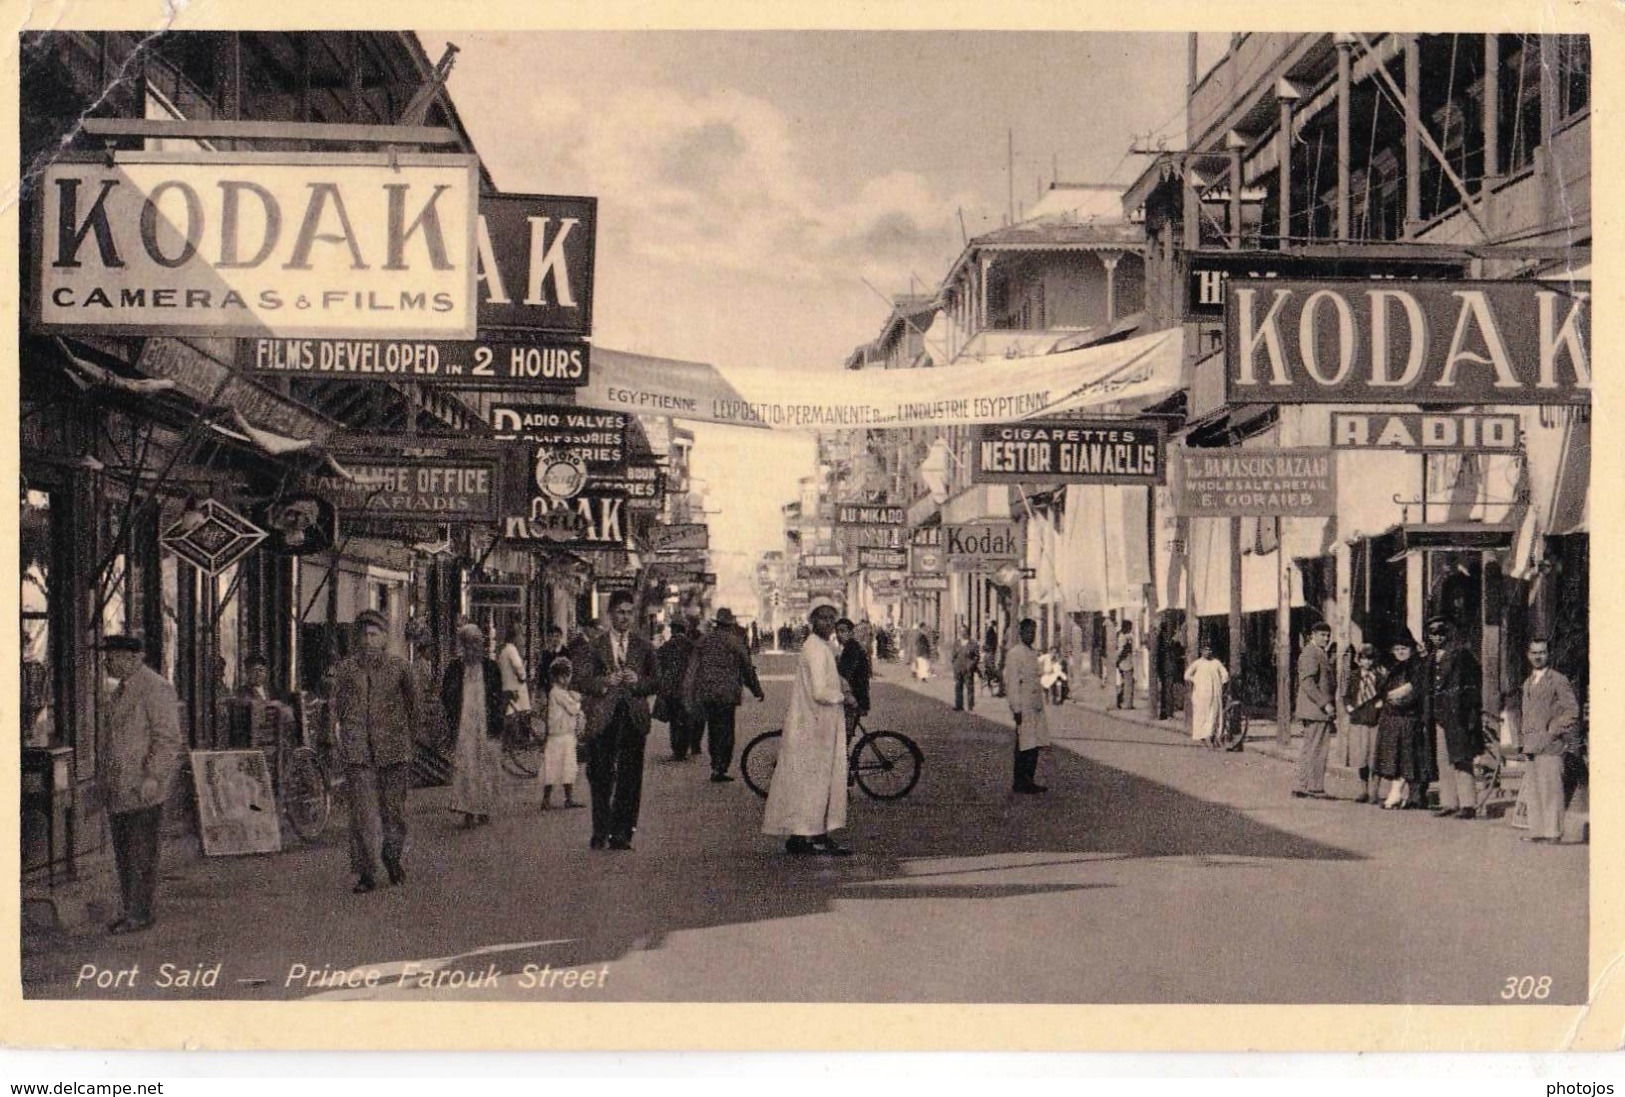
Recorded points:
(301,780)
(521,746)
(884,764)
(1233,727)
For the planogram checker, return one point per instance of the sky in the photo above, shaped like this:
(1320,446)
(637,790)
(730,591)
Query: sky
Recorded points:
(762,195)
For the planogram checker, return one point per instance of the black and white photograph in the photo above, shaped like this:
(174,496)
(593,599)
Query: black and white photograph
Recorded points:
(1003,515)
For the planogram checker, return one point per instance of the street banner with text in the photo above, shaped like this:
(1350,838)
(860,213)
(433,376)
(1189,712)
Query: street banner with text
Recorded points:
(343,245)
(998,391)
(1226,483)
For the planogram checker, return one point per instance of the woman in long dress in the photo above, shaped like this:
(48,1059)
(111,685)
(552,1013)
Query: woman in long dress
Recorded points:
(1404,745)
(515,682)
(807,798)
(471,694)
(1207,678)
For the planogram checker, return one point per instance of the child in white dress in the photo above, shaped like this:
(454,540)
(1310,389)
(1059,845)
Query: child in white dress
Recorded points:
(564,723)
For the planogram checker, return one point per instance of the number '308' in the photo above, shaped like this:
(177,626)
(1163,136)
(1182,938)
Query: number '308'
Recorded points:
(1526,987)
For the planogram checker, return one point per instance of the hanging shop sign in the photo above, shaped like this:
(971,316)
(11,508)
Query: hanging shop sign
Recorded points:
(510,362)
(925,584)
(882,560)
(299,525)
(854,538)
(828,561)
(1209,273)
(926,537)
(415,487)
(980,546)
(211,537)
(614,584)
(1081,452)
(864,514)
(679,536)
(597,438)
(342,245)
(496,596)
(594,519)
(643,485)
(1410,430)
(1407,343)
(1226,483)
(536,254)
(926,561)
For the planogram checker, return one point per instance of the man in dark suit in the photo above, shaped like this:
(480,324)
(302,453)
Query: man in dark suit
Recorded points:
(618,674)
(1454,704)
(853,665)
(1314,708)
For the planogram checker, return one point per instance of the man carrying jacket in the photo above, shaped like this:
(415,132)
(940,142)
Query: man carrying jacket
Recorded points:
(375,708)
(135,771)
(722,670)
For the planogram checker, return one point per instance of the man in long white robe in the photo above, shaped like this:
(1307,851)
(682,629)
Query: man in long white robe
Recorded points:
(1207,677)
(807,798)
(1025,689)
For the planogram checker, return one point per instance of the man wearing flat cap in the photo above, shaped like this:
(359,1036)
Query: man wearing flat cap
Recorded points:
(135,771)
(375,708)
(722,670)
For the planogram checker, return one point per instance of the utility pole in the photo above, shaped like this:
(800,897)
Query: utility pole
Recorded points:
(1010,174)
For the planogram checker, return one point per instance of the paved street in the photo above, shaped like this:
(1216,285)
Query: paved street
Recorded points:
(1153,871)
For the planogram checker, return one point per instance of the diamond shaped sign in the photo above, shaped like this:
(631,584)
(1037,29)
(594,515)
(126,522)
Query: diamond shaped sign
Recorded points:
(212,537)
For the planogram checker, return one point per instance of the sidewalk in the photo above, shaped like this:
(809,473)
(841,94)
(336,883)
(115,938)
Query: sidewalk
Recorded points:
(1090,695)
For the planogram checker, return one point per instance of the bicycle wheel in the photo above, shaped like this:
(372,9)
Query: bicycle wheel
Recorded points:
(521,755)
(305,795)
(760,759)
(1232,731)
(886,764)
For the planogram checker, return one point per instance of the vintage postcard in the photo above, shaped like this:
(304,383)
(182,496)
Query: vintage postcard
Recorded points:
(729,529)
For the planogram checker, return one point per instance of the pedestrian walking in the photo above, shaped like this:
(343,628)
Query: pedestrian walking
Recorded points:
(1551,717)
(515,680)
(472,697)
(1207,678)
(1315,709)
(375,707)
(1453,712)
(618,676)
(1404,747)
(136,768)
(1026,693)
(855,670)
(967,657)
(1362,702)
(1125,666)
(922,654)
(721,670)
(807,798)
(687,729)
(564,723)
(1171,659)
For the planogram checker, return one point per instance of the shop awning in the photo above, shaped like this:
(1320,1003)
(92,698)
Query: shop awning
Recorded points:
(1453,535)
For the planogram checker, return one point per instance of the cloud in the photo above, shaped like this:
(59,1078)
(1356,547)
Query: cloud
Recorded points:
(721,181)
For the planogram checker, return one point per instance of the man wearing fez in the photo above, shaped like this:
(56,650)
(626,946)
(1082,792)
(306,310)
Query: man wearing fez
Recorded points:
(618,674)
(376,707)
(136,768)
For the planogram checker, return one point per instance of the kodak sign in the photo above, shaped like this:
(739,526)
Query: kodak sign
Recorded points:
(1430,343)
(263,244)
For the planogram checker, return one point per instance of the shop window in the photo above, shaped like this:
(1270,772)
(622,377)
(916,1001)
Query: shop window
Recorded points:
(1520,101)
(38,702)
(1573,74)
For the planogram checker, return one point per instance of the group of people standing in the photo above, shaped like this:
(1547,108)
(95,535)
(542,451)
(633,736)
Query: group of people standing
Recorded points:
(1414,720)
